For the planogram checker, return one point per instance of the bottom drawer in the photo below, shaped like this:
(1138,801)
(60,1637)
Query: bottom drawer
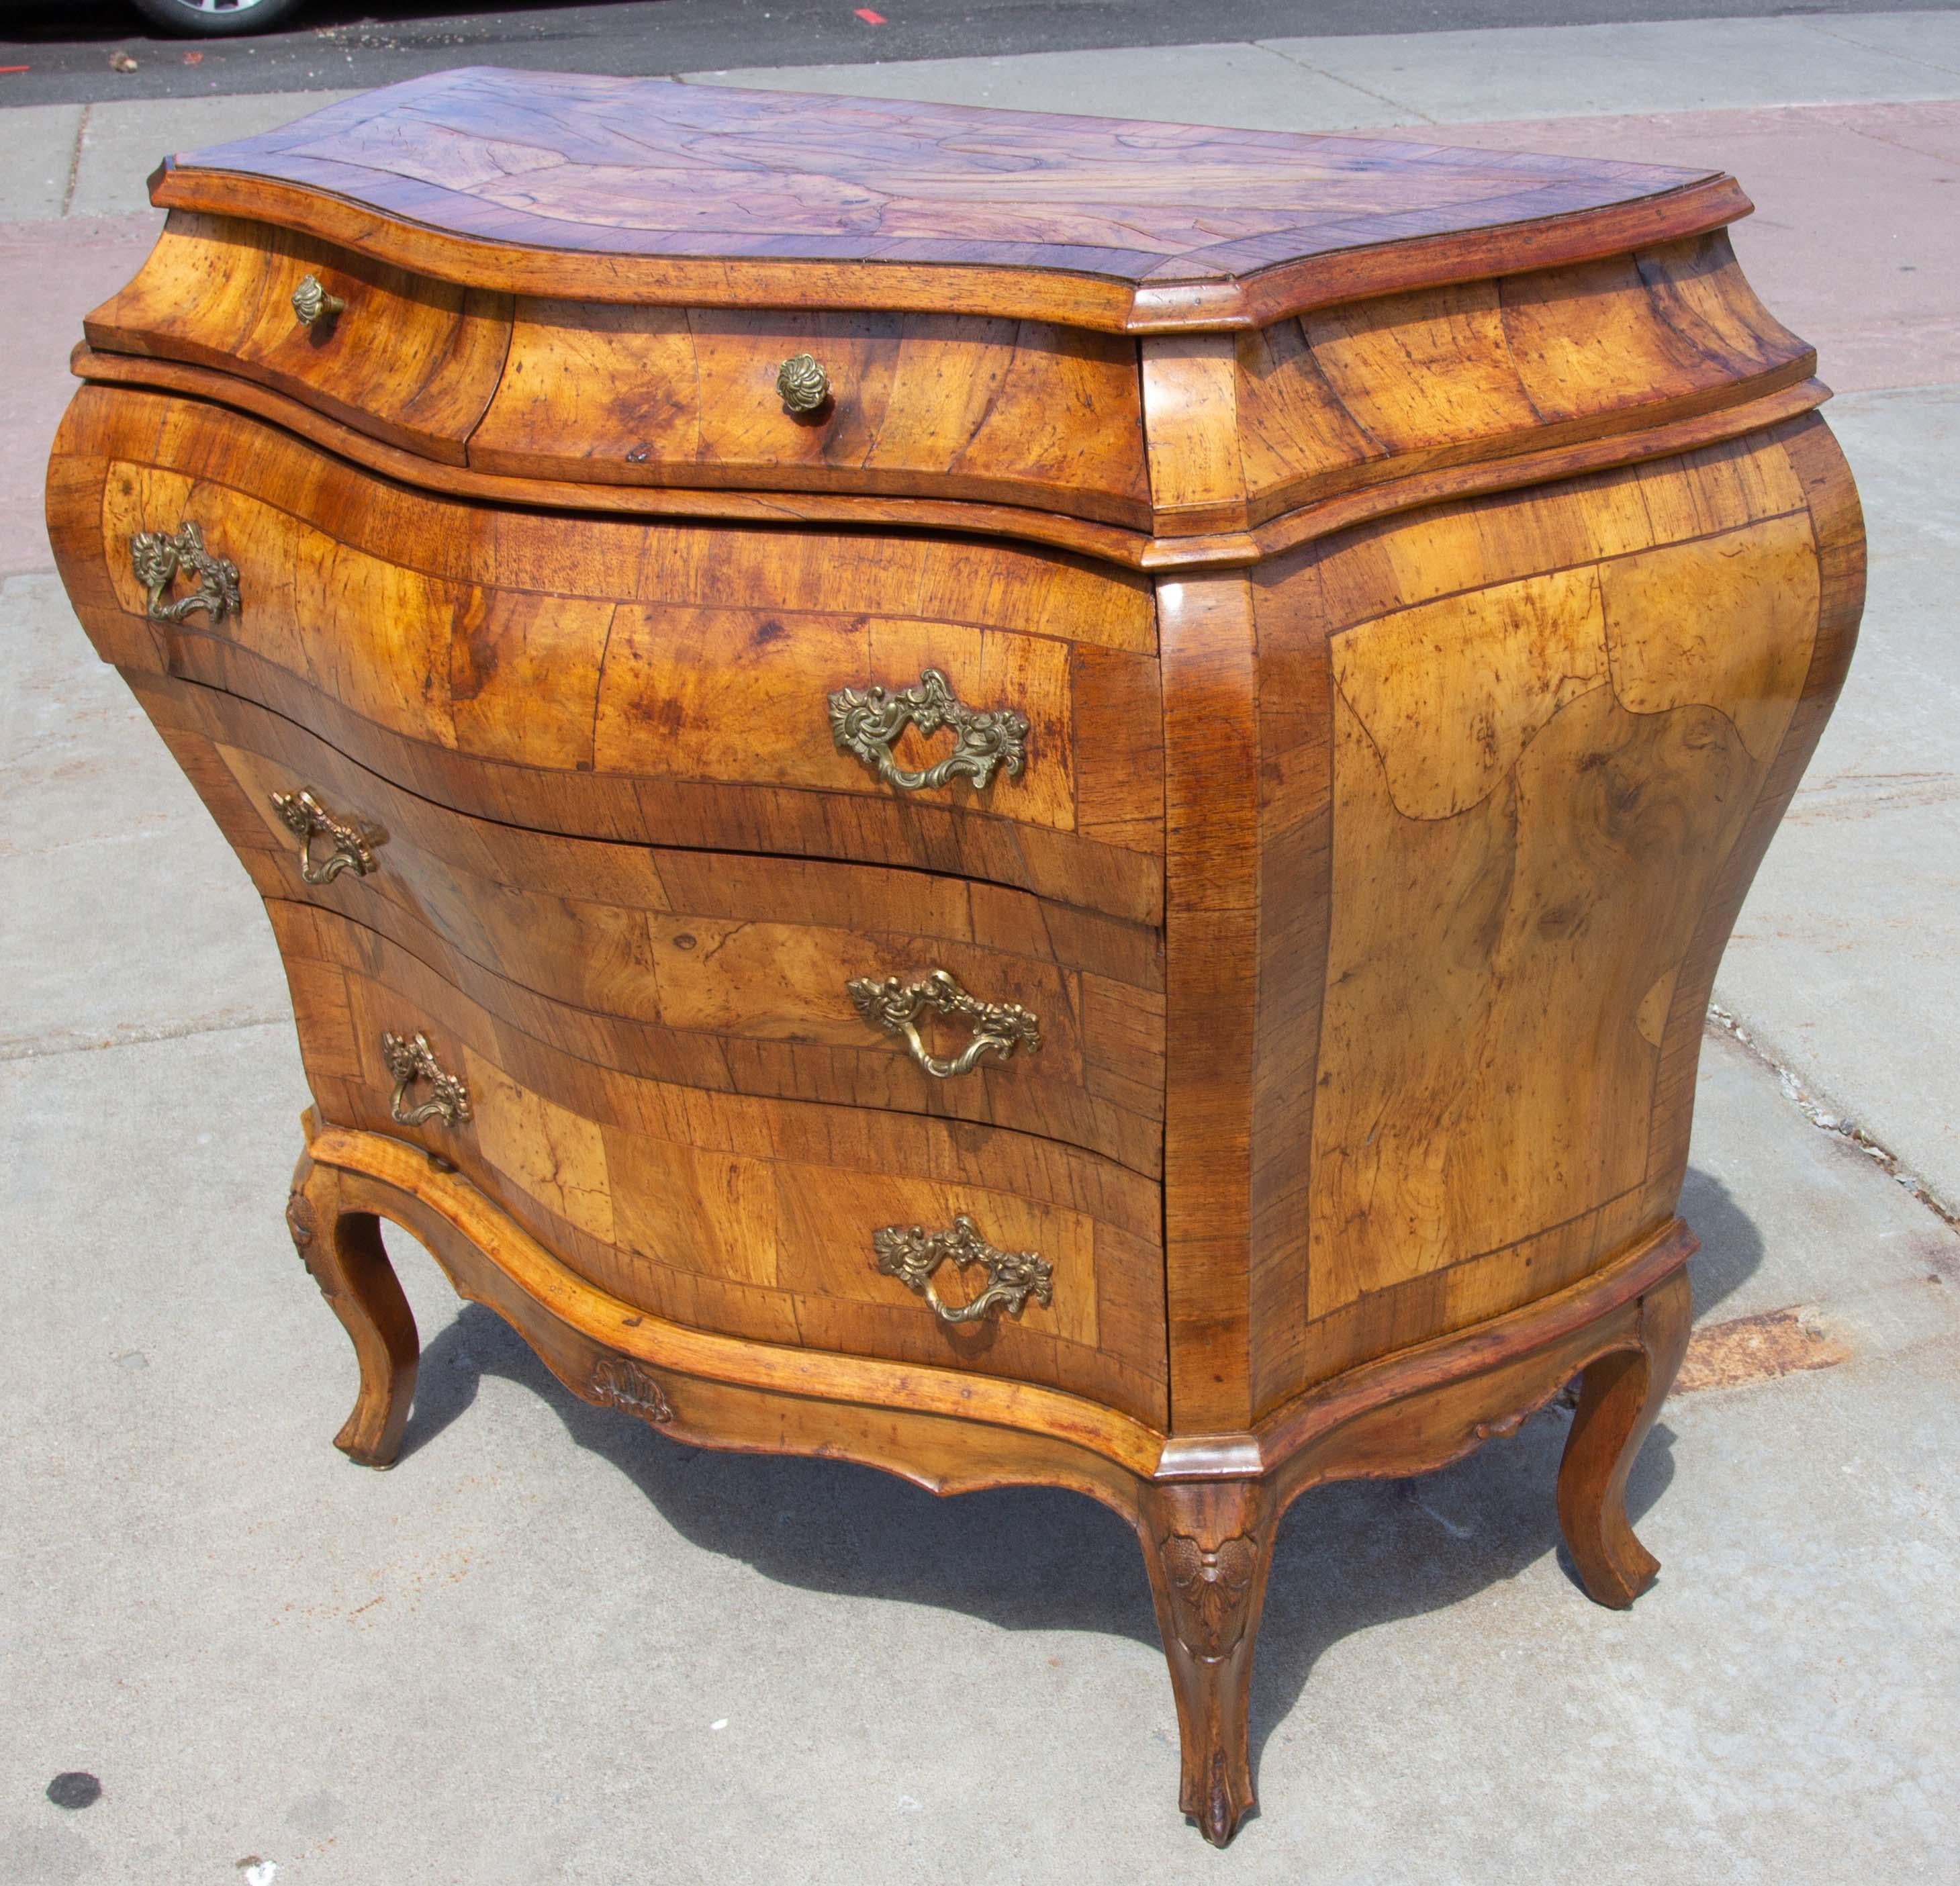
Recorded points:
(753,1217)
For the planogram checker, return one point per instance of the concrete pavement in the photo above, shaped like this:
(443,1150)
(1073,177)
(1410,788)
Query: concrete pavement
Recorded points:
(549,1647)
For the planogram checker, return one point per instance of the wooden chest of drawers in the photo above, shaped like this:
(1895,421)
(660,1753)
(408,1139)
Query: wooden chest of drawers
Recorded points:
(1026,798)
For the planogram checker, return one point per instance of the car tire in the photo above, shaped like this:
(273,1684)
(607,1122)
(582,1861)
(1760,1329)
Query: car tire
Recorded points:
(213,19)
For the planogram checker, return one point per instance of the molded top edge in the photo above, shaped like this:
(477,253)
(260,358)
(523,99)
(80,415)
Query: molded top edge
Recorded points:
(636,189)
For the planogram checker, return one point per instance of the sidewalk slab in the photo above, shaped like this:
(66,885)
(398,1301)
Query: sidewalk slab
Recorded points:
(123,921)
(40,142)
(267,1654)
(51,274)
(1351,83)
(801,1671)
(1328,82)
(1572,71)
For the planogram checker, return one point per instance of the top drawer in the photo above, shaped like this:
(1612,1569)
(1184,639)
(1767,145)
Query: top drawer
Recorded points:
(995,410)
(1008,412)
(408,360)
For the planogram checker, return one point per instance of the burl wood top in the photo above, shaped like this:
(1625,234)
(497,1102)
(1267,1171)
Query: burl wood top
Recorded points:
(628,189)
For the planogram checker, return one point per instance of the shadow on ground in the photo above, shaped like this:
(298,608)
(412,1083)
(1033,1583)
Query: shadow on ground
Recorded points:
(1349,1557)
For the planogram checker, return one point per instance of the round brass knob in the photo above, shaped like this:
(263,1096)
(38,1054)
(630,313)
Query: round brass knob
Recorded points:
(802,383)
(312,303)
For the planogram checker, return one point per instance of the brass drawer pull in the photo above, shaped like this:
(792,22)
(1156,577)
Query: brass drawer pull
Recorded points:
(414,1060)
(312,303)
(999,1028)
(865,723)
(157,558)
(353,843)
(911,1255)
(803,382)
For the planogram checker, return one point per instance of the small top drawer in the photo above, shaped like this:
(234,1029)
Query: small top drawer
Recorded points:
(1002,410)
(402,358)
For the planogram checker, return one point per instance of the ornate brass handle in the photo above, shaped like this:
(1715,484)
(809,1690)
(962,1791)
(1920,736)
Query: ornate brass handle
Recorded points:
(912,1254)
(312,303)
(803,382)
(414,1060)
(157,557)
(865,723)
(999,1028)
(353,844)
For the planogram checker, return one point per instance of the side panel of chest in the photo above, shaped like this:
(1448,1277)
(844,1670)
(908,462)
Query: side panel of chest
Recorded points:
(1514,761)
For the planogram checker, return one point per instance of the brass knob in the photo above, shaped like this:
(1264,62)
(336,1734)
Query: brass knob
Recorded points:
(312,303)
(802,383)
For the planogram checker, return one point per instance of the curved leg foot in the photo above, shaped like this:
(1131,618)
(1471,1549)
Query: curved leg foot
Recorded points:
(1209,1547)
(1619,1397)
(342,1246)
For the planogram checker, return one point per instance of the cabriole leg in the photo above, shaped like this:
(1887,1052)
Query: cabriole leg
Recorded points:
(341,1246)
(1619,1397)
(1209,1547)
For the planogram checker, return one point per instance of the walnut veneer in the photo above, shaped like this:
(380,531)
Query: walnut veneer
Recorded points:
(1112,881)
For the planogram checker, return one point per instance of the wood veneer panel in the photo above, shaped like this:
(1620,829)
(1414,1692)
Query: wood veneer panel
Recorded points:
(747,1216)
(637,190)
(945,1429)
(957,579)
(1555,717)
(1190,416)
(822,509)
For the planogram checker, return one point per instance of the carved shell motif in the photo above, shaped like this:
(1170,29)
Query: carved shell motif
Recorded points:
(1208,1591)
(619,1382)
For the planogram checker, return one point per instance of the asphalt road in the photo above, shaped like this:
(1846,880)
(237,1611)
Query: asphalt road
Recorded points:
(66,45)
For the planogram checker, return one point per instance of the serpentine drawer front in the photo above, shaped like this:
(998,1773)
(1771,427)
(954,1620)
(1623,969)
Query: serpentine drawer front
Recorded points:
(1032,800)
(1017,412)
(912,701)
(766,976)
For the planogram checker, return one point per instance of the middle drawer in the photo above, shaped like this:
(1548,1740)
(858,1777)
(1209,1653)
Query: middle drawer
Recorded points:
(785,977)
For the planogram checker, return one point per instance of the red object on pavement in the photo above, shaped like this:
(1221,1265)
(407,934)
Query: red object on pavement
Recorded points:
(868,17)
(16,69)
